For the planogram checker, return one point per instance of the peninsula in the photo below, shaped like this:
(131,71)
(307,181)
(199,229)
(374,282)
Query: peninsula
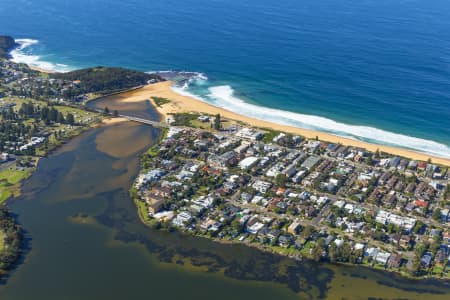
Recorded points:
(296,192)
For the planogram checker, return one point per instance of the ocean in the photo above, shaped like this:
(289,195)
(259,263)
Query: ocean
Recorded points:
(372,70)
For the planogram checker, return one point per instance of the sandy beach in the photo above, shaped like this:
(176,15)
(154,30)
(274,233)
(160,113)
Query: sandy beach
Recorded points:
(181,103)
(112,121)
(41,70)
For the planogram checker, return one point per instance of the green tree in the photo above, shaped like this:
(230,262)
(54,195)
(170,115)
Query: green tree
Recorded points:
(447,192)
(60,118)
(217,122)
(43,114)
(369,160)
(333,252)
(70,119)
(53,114)
(418,227)
(377,153)
(281,180)
(434,246)
(390,228)
(318,249)
(420,249)
(437,214)
(22,111)
(415,266)
(346,252)
(308,231)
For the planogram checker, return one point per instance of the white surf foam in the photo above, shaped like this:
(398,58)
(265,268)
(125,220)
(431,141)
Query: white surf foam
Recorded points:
(22,55)
(183,79)
(183,90)
(223,96)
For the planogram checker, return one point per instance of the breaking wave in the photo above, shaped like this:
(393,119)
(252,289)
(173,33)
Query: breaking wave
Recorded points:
(223,96)
(23,54)
(182,79)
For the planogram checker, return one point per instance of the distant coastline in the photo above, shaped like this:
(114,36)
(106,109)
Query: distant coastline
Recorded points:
(223,96)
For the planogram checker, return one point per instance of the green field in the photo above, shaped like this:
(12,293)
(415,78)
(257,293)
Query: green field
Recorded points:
(79,114)
(143,211)
(160,101)
(10,182)
(2,241)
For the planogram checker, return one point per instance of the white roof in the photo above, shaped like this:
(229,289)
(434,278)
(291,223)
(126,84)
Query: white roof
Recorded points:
(248,161)
(359,246)
(339,203)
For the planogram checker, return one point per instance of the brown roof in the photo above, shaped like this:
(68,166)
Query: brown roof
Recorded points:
(394,261)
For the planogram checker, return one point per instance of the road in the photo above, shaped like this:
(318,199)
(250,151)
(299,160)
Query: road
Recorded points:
(136,119)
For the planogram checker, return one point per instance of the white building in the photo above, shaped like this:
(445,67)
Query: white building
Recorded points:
(385,218)
(262,186)
(248,162)
(250,134)
(182,219)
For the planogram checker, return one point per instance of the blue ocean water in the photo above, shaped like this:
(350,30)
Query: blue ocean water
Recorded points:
(374,70)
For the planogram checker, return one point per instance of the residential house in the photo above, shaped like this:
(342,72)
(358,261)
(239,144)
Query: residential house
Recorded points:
(294,227)
(394,261)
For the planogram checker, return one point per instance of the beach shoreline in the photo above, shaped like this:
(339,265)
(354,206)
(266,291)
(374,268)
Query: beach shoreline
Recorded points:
(185,104)
(113,121)
(34,68)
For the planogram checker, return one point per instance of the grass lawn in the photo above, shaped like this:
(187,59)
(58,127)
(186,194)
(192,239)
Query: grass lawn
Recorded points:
(160,101)
(79,114)
(18,101)
(270,134)
(5,193)
(203,190)
(202,125)
(286,251)
(308,246)
(438,269)
(185,119)
(153,152)
(143,211)
(10,182)
(2,240)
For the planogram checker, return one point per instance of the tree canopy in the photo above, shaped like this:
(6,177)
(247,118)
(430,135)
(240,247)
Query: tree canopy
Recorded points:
(104,79)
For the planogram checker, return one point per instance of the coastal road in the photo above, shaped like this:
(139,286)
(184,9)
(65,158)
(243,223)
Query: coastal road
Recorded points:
(145,121)
(136,119)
